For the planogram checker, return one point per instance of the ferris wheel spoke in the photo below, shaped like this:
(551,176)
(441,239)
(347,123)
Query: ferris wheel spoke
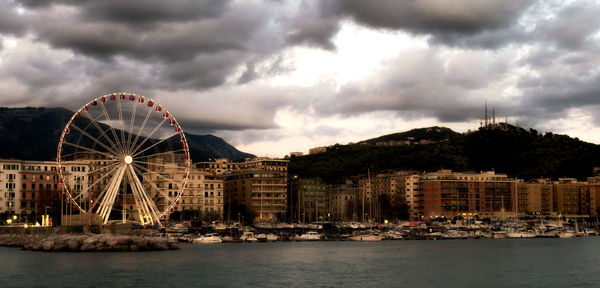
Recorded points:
(108,173)
(149,135)
(158,154)
(112,130)
(86,148)
(161,164)
(160,190)
(102,131)
(121,121)
(141,129)
(131,122)
(76,197)
(91,172)
(163,178)
(103,166)
(154,145)
(94,139)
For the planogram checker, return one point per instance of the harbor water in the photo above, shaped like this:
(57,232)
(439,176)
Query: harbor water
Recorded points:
(573,262)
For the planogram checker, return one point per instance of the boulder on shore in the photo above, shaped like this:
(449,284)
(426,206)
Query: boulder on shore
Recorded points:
(85,242)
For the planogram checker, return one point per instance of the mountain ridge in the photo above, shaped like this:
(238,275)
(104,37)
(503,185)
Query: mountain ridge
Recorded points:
(32,134)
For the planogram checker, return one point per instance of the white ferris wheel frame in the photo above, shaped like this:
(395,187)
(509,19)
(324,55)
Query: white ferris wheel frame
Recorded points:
(125,152)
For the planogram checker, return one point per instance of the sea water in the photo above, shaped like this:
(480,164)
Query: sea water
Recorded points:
(571,262)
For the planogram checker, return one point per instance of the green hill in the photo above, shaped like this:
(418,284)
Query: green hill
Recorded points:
(504,148)
(429,134)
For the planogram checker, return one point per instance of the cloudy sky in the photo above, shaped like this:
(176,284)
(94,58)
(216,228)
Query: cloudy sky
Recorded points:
(275,76)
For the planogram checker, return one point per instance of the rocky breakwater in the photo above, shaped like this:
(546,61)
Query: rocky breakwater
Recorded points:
(85,242)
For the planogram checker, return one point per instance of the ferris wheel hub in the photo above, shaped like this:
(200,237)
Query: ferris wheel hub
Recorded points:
(128,159)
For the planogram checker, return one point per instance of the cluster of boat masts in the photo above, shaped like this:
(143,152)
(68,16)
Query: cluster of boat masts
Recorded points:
(354,231)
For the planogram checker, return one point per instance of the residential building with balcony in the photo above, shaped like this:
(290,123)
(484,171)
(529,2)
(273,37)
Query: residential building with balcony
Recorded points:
(260,187)
(449,194)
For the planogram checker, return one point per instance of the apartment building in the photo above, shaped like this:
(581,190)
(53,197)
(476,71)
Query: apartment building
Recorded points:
(344,201)
(449,194)
(259,185)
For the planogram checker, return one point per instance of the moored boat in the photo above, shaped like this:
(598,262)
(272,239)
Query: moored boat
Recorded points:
(368,237)
(248,237)
(310,236)
(208,238)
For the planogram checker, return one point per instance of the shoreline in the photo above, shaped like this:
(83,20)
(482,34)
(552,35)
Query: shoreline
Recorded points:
(85,242)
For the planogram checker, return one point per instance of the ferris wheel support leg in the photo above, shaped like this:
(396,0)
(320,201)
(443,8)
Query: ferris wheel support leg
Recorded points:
(109,200)
(143,210)
(138,203)
(150,207)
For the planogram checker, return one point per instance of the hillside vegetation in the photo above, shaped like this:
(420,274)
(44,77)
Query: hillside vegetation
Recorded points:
(503,148)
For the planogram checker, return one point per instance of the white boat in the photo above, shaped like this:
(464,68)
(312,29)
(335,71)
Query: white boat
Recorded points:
(282,225)
(248,237)
(591,232)
(521,234)
(208,238)
(314,226)
(566,234)
(309,236)
(272,237)
(218,226)
(177,228)
(267,237)
(392,235)
(369,237)
(263,225)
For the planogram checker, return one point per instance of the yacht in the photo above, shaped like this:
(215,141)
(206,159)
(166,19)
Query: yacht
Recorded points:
(218,226)
(392,235)
(248,237)
(368,237)
(521,234)
(566,234)
(208,238)
(267,237)
(177,228)
(309,236)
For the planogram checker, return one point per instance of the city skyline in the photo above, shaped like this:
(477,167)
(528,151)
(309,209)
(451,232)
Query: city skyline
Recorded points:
(275,77)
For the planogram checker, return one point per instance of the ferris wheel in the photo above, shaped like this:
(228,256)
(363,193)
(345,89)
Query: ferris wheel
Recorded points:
(123,157)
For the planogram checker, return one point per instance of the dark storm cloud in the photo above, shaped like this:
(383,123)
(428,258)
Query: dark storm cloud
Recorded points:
(197,46)
(562,83)
(202,71)
(10,21)
(314,25)
(139,12)
(165,42)
(424,82)
(447,20)
(572,25)
(190,44)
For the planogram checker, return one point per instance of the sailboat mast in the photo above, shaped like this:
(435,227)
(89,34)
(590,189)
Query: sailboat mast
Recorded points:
(363,203)
(370,197)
